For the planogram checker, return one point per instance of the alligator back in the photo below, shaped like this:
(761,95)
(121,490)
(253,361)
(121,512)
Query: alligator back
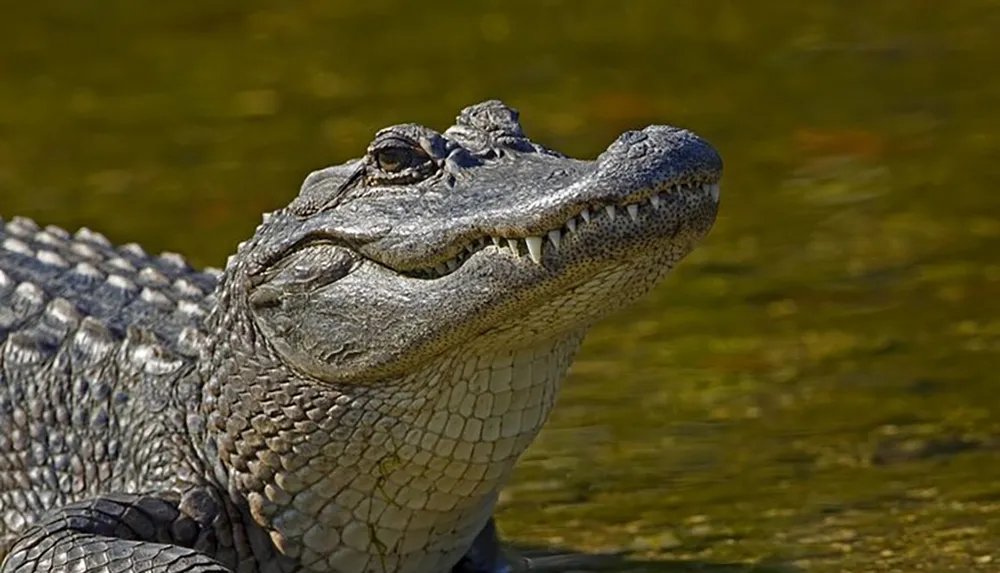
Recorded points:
(97,367)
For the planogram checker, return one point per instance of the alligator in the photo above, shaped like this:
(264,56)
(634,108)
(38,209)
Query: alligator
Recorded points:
(349,394)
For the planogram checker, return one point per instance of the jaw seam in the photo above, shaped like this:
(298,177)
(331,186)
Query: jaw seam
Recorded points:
(535,246)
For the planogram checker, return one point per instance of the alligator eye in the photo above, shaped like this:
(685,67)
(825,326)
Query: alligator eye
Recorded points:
(395,159)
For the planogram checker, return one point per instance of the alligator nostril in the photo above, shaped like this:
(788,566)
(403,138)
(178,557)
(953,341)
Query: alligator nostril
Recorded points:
(638,150)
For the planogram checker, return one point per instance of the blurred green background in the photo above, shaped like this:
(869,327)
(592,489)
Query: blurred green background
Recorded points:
(815,389)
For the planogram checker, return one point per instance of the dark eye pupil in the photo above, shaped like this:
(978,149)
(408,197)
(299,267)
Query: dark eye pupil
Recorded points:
(393,159)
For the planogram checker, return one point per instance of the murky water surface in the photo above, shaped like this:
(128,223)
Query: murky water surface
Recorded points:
(815,389)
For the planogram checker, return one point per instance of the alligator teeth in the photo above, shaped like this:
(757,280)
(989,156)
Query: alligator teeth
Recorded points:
(555,236)
(534,248)
(536,245)
(512,243)
(633,211)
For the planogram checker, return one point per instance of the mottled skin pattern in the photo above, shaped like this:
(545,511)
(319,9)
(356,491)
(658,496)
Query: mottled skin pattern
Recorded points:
(350,394)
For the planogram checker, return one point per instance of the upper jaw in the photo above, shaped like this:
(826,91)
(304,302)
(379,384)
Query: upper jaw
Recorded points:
(530,204)
(529,201)
(633,220)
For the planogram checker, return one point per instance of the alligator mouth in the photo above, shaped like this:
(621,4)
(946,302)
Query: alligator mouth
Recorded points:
(645,205)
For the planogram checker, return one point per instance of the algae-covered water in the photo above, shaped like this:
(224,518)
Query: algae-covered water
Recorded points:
(815,389)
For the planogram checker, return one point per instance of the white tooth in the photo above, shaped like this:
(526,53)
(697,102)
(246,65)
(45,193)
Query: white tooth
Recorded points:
(441,269)
(452,264)
(571,224)
(555,236)
(610,210)
(714,190)
(470,248)
(496,241)
(586,215)
(512,243)
(633,211)
(535,248)
(655,201)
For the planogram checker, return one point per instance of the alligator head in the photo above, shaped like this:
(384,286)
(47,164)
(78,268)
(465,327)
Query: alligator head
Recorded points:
(432,240)
(387,345)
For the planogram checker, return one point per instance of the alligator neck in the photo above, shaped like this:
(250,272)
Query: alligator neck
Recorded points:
(377,471)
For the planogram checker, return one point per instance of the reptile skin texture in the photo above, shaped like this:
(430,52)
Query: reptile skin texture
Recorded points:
(350,394)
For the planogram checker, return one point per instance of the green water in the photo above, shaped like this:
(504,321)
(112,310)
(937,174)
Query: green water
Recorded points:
(813,390)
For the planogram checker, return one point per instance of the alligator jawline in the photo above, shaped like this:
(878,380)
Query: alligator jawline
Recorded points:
(535,246)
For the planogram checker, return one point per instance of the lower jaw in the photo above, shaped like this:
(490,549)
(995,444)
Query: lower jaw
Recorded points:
(577,307)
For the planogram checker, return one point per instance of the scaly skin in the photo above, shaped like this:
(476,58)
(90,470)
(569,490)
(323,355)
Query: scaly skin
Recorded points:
(351,393)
